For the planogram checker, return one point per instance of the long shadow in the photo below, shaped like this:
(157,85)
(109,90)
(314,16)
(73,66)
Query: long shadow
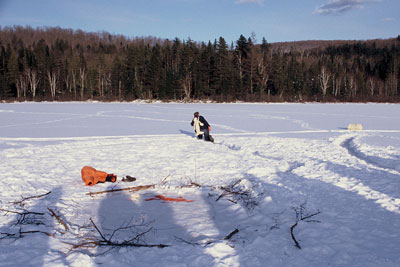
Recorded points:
(191,134)
(153,222)
(51,203)
(354,227)
(33,228)
(237,221)
(216,225)
(350,217)
(119,219)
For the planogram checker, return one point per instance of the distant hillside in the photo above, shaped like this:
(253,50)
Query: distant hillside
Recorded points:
(322,44)
(64,64)
(29,35)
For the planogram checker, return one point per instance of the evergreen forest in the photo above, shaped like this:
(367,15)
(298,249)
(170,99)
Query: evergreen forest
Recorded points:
(54,64)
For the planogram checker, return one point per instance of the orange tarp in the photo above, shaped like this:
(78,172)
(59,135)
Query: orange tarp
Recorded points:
(91,176)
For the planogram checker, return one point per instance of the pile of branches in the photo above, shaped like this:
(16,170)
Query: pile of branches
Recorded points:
(25,219)
(136,239)
(235,192)
(42,222)
(52,223)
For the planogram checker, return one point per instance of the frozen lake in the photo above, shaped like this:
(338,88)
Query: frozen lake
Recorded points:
(271,166)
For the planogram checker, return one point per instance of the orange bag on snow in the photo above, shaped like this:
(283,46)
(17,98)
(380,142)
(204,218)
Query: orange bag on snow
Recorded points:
(91,176)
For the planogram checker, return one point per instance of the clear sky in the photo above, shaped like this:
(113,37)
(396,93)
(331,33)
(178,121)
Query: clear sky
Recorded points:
(204,20)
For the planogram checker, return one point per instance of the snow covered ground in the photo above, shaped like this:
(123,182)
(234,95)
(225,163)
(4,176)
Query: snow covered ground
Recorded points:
(277,174)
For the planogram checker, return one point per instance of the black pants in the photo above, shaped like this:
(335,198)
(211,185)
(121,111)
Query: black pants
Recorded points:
(206,135)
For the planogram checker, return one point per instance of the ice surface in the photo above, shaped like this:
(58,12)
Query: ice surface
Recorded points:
(272,165)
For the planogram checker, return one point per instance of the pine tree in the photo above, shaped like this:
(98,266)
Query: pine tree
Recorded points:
(117,74)
(223,73)
(153,74)
(5,91)
(12,73)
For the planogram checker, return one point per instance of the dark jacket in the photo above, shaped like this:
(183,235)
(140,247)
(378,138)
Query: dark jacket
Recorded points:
(202,120)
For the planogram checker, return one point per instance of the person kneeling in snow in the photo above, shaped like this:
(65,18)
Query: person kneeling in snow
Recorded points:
(201,127)
(91,176)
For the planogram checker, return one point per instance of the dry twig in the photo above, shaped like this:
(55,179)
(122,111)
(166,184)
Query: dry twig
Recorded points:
(59,219)
(27,198)
(234,232)
(128,243)
(163,180)
(131,189)
(238,193)
(301,217)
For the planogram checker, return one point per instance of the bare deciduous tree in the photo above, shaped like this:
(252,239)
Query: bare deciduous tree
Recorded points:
(33,80)
(324,78)
(187,85)
(21,85)
(371,85)
(53,78)
(353,86)
(82,75)
(336,84)
(263,71)
(74,82)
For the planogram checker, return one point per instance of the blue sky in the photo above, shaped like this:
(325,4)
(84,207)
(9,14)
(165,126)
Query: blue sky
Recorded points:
(204,20)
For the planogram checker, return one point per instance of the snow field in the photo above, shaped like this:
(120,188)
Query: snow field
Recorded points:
(348,180)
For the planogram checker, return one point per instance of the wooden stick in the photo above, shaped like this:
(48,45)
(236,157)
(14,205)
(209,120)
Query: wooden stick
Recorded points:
(59,219)
(39,196)
(296,243)
(234,232)
(131,189)
(95,226)
(106,242)
(22,213)
(292,234)
(163,180)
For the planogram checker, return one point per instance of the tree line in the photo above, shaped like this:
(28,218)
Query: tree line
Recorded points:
(63,65)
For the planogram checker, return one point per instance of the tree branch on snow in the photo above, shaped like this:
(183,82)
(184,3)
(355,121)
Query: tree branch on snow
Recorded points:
(134,241)
(27,198)
(95,226)
(234,232)
(130,189)
(187,183)
(188,242)
(210,241)
(203,244)
(21,234)
(191,184)
(195,184)
(9,211)
(292,234)
(139,188)
(238,193)
(229,190)
(26,217)
(59,219)
(163,180)
(301,215)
